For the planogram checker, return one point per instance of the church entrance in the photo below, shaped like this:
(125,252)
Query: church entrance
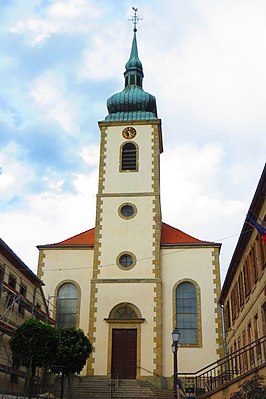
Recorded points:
(124,353)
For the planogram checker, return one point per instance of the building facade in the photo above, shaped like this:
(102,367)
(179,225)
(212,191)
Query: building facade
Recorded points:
(243,294)
(132,279)
(21,297)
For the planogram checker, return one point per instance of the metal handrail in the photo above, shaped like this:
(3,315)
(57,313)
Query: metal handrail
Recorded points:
(114,381)
(225,370)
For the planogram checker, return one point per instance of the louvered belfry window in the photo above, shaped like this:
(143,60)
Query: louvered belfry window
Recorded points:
(129,156)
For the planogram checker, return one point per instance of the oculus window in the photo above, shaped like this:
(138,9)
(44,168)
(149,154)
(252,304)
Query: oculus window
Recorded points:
(126,260)
(67,303)
(127,211)
(187,313)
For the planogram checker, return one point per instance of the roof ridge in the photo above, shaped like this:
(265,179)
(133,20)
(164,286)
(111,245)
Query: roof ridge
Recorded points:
(169,236)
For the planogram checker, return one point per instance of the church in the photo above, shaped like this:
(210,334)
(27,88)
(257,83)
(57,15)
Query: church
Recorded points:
(131,280)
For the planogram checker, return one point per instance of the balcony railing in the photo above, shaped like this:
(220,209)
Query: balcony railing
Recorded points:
(225,370)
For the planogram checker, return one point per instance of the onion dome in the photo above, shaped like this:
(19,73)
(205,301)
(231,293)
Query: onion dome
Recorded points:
(133,103)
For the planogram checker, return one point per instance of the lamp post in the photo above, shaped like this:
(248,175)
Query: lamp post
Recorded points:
(175,338)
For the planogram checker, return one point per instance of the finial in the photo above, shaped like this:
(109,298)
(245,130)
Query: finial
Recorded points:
(135,19)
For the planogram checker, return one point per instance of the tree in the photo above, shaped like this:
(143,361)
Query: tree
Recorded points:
(251,389)
(34,344)
(72,354)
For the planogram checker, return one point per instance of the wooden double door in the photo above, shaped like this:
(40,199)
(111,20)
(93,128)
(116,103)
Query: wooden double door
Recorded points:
(124,353)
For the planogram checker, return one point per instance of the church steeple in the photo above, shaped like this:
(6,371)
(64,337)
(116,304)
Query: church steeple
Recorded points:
(134,72)
(133,103)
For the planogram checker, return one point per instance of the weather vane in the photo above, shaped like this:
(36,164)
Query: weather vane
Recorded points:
(135,19)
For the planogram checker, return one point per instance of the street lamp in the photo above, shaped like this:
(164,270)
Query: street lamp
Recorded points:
(175,338)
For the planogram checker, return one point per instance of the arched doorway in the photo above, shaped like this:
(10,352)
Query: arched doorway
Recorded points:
(125,322)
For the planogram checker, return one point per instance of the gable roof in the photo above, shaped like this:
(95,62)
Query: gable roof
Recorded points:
(170,236)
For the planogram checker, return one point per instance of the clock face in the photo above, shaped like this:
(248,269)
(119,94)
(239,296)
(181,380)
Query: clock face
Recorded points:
(129,133)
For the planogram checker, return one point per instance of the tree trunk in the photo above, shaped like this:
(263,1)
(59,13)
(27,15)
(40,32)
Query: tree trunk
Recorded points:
(62,385)
(32,375)
(69,386)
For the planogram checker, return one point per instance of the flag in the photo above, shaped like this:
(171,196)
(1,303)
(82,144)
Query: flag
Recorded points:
(261,227)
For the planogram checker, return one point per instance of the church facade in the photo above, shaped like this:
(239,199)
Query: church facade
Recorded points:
(132,279)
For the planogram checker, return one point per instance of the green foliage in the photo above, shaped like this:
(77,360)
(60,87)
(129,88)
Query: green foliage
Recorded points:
(251,389)
(34,343)
(74,349)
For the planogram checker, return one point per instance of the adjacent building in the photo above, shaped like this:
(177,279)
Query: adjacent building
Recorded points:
(243,294)
(130,280)
(21,297)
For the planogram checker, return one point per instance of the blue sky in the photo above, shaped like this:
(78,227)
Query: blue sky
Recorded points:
(205,62)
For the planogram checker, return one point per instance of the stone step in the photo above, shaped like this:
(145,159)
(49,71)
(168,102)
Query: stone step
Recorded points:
(100,388)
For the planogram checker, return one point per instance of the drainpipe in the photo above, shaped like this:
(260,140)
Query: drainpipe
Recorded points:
(227,367)
(223,327)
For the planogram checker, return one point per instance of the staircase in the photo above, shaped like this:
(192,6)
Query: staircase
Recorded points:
(138,389)
(86,388)
(100,388)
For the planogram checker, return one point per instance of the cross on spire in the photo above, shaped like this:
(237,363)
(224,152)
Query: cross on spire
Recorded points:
(135,19)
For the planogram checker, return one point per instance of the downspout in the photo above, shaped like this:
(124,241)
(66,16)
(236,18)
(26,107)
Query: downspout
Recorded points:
(227,366)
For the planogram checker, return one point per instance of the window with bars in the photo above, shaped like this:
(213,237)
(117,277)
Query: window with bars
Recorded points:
(129,157)
(187,313)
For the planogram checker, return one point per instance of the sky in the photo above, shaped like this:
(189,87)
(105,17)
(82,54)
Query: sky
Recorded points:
(60,60)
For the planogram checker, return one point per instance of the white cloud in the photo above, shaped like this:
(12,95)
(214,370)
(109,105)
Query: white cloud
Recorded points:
(216,69)
(100,61)
(14,174)
(190,181)
(56,102)
(54,185)
(69,16)
(193,198)
(50,217)
(90,154)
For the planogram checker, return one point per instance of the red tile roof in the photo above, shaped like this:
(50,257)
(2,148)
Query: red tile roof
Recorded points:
(170,236)
(85,238)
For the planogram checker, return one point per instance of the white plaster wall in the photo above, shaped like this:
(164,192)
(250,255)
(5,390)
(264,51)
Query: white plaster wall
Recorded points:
(195,264)
(111,294)
(119,235)
(119,182)
(69,264)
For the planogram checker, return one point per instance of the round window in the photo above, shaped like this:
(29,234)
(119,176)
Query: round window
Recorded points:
(126,260)
(127,211)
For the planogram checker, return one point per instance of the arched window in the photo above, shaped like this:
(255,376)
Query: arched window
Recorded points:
(125,311)
(187,313)
(129,156)
(67,302)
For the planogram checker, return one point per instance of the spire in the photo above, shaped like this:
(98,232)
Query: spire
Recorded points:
(133,103)
(134,72)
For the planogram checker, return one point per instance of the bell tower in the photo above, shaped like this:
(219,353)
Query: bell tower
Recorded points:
(126,269)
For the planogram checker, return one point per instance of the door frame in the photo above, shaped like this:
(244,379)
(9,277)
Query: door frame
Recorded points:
(124,324)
